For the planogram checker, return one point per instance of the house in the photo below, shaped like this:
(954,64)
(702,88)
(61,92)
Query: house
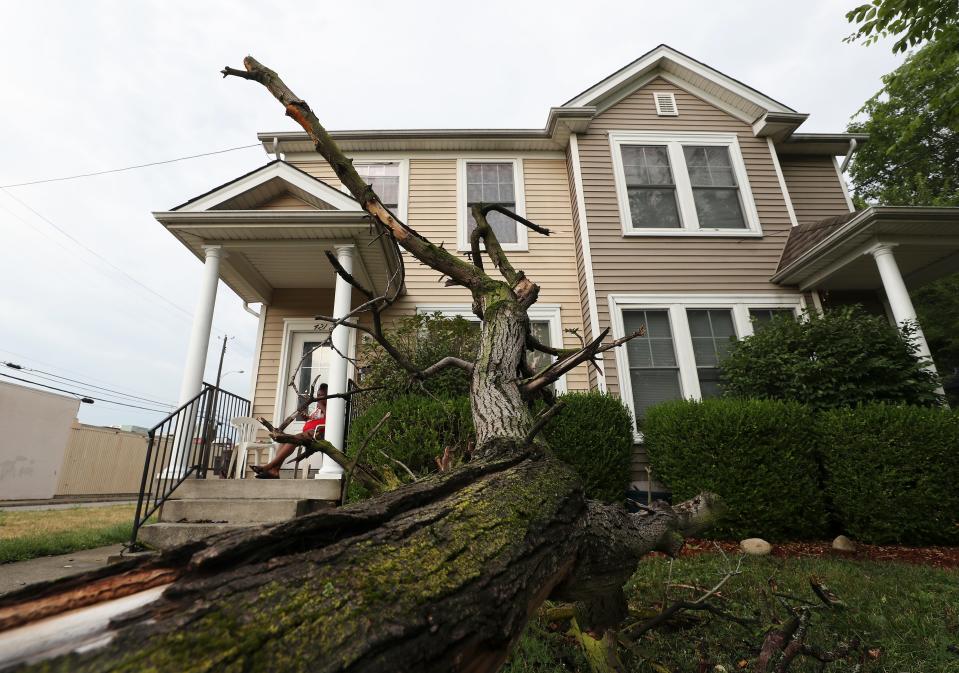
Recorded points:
(680,198)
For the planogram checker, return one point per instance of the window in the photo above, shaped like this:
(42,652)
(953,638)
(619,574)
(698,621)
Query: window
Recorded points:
(760,316)
(653,369)
(384,177)
(682,183)
(714,187)
(545,323)
(390,180)
(712,332)
(650,187)
(687,337)
(492,181)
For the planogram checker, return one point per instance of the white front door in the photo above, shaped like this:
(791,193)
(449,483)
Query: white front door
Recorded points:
(314,370)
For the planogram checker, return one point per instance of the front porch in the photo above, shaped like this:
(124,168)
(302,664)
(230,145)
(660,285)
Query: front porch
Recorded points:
(874,257)
(267,236)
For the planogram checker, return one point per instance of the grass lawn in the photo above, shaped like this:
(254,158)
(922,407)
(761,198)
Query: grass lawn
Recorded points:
(28,534)
(908,615)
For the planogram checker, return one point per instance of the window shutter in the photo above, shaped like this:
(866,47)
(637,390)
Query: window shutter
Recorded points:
(665,104)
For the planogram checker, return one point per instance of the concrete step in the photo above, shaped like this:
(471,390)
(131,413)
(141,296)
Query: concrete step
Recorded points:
(262,489)
(238,510)
(165,536)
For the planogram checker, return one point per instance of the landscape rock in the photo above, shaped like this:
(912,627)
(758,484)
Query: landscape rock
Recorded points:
(755,546)
(843,543)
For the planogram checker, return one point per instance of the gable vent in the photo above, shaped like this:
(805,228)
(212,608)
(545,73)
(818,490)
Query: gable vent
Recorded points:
(665,104)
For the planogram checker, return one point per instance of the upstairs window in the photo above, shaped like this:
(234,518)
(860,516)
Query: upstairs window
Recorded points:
(681,184)
(492,181)
(650,187)
(389,179)
(384,177)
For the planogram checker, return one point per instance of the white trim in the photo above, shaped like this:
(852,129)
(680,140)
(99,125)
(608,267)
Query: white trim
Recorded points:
(676,305)
(551,313)
(845,187)
(580,197)
(281,170)
(519,192)
(363,155)
(674,142)
(652,60)
(255,367)
(403,196)
(782,182)
(290,325)
(670,109)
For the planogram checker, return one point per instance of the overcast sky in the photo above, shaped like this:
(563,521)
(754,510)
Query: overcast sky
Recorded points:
(90,86)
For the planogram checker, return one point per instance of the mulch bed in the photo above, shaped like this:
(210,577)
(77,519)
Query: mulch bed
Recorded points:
(938,557)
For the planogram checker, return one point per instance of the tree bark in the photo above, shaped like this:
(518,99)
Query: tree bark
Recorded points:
(441,575)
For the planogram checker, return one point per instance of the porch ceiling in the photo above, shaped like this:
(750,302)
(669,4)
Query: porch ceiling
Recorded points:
(833,254)
(283,249)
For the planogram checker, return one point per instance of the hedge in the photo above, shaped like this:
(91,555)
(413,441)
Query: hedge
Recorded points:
(892,472)
(418,431)
(756,454)
(594,434)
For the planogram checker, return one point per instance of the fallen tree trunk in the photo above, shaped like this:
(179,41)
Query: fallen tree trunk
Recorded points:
(440,575)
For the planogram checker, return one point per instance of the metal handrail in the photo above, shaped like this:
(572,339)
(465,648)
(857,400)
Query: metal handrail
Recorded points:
(190,441)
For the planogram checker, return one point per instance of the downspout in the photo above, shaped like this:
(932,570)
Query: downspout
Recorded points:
(246,307)
(845,162)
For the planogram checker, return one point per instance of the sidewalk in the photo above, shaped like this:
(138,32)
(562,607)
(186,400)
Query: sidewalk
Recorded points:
(14,576)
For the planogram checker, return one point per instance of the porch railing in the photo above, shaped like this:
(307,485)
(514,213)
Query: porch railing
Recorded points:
(192,441)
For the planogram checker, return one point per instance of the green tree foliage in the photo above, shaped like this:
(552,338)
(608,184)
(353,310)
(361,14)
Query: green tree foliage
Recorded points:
(842,358)
(424,339)
(912,157)
(756,454)
(914,20)
(594,434)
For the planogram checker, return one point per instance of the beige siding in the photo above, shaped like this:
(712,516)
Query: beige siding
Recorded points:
(286,202)
(814,187)
(550,261)
(676,264)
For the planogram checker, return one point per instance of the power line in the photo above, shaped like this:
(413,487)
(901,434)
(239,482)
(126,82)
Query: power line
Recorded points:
(130,168)
(82,397)
(42,374)
(93,252)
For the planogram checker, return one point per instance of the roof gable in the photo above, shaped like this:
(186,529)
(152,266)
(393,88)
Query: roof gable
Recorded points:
(265,184)
(707,83)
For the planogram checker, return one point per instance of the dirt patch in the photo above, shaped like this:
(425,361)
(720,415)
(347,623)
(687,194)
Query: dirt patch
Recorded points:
(937,557)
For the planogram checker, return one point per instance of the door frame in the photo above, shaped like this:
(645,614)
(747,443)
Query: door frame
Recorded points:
(299,325)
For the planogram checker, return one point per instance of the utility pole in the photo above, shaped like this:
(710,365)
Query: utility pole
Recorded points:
(219,369)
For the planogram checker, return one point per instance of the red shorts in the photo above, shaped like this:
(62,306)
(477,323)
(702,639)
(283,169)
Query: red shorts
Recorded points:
(315,423)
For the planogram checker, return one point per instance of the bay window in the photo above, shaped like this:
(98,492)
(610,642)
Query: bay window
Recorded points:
(682,184)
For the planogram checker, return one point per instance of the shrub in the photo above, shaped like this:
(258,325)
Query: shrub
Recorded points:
(594,434)
(418,430)
(756,454)
(892,473)
(424,339)
(841,358)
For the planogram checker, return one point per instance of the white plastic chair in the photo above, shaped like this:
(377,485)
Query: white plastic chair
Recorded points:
(248,428)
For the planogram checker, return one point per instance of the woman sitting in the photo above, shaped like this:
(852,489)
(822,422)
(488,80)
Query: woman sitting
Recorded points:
(314,428)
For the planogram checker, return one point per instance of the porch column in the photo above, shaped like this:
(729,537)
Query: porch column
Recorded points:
(202,325)
(898,295)
(336,407)
(196,353)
